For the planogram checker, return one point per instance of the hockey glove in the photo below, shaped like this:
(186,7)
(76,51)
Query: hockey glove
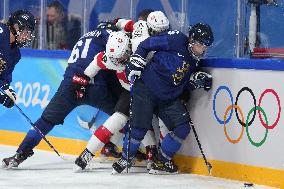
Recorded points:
(200,80)
(9,97)
(135,66)
(80,83)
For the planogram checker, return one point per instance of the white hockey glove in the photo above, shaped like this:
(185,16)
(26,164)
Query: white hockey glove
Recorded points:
(135,66)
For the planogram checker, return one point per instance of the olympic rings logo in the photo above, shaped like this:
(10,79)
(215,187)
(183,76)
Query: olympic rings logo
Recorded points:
(245,122)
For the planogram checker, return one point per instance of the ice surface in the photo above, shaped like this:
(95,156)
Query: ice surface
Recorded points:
(46,170)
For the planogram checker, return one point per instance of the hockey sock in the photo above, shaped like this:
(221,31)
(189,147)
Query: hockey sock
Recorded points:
(149,139)
(103,134)
(173,140)
(137,135)
(117,138)
(33,138)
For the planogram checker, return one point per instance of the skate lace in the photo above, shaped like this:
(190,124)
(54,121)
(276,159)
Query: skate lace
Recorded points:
(170,164)
(87,157)
(21,156)
(122,162)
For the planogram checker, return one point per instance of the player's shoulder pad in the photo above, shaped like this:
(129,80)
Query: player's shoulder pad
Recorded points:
(4,32)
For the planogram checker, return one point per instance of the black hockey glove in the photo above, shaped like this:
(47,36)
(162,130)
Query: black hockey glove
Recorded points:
(200,80)
(135,66)
(80,83)
(7,98)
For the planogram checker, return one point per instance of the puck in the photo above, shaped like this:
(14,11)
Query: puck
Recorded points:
(247,184)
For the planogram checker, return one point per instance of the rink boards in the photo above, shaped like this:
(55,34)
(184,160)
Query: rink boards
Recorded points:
(254,153)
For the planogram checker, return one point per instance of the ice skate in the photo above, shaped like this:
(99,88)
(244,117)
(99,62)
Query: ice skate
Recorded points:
(110,150)
(163,167)
(82,161)
(119,166)
(16,160)
(152,153)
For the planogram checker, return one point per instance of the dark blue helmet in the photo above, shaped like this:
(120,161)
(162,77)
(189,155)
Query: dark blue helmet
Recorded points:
(201,33)
(26,24)
(23,18)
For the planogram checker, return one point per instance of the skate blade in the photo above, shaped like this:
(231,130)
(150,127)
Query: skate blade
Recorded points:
(9,166)
(77,169)
(4,165)
(114,172)
(159,172)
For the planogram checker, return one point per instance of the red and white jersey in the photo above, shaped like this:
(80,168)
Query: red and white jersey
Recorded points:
(103,62)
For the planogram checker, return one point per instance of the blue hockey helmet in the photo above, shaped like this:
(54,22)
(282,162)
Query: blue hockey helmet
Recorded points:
(201,33)
(25,22)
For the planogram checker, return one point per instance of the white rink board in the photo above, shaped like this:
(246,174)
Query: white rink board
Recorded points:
(211,132)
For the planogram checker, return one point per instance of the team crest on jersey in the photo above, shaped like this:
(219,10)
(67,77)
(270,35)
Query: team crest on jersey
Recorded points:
(2,65)
(179,75)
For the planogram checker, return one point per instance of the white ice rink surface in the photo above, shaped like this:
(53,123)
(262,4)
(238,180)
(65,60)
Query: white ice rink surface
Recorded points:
(46,170)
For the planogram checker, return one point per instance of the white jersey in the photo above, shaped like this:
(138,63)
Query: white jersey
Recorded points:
(102,62)
(139,34)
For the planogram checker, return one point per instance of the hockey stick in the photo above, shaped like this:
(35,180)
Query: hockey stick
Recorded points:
(86,124)
(133,78)
(208,165)
(33,125)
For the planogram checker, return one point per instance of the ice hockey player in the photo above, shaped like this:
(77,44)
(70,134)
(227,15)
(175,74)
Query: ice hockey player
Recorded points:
(75,89)
(110,149)
(114,58)
(116,53)
(158,87)
(16,32)
(140,32)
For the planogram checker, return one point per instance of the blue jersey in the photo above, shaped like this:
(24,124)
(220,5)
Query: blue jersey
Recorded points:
(84,52)
(168,72)
(9,53)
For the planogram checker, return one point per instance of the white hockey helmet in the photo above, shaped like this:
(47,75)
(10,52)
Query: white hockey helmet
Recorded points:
(118,47)
(157,22)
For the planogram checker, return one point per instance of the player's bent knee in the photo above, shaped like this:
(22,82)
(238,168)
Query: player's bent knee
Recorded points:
(182,130)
